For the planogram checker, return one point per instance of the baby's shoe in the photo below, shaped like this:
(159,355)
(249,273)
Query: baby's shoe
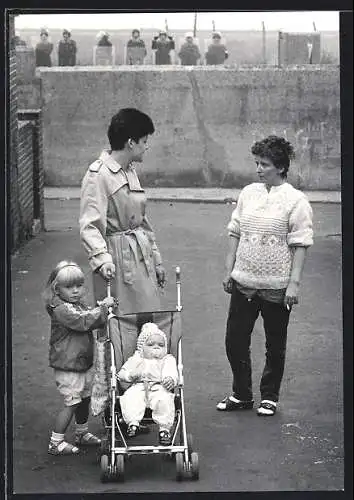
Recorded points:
(132,430)
(164,437)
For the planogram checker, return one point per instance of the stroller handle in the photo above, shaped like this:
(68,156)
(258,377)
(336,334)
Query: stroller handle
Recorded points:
(178,274)
(178,283)
(109,294)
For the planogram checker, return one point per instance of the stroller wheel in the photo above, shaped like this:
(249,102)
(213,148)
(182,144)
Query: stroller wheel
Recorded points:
(179,466)
(190,443)
(118,471)
(104,446)
(104,469)
(195,465)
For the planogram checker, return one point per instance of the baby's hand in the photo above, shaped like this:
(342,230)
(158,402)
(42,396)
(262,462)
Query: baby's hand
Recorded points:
(134,377)
(168,383)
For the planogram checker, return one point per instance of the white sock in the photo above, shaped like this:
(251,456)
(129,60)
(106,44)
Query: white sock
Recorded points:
(56,438)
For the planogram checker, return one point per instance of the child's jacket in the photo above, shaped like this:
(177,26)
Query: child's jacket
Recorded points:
(71,340)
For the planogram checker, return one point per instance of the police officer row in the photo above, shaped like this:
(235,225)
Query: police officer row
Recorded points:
(163,47)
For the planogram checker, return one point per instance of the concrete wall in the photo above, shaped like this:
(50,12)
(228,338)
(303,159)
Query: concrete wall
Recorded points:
(206,120)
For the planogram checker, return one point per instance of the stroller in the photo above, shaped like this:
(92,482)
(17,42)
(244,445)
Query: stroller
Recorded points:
(122,332)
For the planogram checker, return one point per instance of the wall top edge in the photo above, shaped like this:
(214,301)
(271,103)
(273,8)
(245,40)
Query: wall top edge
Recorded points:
(185,69)
(28,113)
(23,123)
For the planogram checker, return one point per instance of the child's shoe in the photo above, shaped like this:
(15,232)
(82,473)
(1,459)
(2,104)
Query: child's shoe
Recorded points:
(87,439)
(62,448)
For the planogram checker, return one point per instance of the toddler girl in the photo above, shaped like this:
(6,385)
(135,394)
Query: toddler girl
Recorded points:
(71,352)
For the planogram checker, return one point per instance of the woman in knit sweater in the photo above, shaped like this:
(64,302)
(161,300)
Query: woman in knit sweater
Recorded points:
(269,233)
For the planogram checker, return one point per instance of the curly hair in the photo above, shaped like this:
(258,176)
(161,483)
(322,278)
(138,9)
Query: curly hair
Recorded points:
(276,149)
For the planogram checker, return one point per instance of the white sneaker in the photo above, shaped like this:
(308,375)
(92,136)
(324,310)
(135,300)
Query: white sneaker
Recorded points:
(267,408)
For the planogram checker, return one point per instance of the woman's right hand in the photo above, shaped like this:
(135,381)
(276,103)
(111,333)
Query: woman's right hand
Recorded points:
(107,271)
(228,284)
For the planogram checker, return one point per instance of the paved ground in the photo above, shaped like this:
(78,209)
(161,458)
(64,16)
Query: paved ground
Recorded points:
(301,448)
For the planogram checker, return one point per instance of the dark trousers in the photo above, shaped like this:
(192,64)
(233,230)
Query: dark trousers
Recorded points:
(241,319)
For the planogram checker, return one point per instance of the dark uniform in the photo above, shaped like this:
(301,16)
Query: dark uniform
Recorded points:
(67,52)
(163,49)
(136,51)
(217,54)
(43,51)
(189,54)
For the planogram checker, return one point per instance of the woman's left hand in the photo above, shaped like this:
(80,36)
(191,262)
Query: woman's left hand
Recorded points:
(160,275)
(291,294)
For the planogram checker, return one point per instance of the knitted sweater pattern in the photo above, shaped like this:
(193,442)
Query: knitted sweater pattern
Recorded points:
(269,225)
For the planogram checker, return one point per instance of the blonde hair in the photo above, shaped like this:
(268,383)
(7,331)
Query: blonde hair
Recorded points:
(67,273)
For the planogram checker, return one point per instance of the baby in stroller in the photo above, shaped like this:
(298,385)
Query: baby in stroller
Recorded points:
(153,375)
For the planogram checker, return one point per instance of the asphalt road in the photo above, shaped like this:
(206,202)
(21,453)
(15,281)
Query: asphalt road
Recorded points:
(299,449)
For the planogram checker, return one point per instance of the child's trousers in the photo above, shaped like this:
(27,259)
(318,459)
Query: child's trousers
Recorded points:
(140,396)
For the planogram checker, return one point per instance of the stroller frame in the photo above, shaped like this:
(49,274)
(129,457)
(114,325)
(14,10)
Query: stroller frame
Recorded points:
(113,457)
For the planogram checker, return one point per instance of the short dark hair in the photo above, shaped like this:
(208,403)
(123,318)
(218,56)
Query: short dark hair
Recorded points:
(128,123)
(277,149)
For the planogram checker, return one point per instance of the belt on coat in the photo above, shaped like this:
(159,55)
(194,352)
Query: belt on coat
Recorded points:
(125,241)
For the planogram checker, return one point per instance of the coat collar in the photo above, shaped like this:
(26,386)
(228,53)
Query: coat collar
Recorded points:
(130,174)
(106,157)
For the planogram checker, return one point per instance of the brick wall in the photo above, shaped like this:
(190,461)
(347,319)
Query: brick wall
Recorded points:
(27,179)
(34,118)
(24,184)
(25,160)
(12,110)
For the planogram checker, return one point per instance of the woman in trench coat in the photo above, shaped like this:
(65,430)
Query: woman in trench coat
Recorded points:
(114,228)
